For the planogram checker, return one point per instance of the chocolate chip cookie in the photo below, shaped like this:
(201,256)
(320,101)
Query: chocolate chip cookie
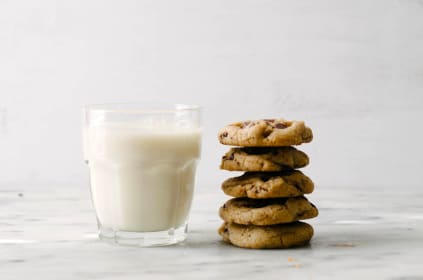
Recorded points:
(263,159)
(263,212)
(267,237)
(265,133)
(268,184)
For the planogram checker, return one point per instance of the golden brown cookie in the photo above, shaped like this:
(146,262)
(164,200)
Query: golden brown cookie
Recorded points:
(265,133)
(263,212)
(268,184)
(267,237)
(263,159)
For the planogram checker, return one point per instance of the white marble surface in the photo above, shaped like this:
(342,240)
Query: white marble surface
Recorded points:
(50,233)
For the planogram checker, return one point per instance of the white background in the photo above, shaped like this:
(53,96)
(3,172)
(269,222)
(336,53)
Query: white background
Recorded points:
(353,70)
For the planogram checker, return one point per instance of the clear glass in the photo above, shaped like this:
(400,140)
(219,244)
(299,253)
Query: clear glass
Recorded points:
(142,161)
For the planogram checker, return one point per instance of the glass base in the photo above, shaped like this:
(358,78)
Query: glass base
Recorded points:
(143,239)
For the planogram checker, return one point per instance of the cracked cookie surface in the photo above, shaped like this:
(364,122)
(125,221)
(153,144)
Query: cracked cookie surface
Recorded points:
(267,237)
(263,159)
(260,185)
(271,211)
(265,133)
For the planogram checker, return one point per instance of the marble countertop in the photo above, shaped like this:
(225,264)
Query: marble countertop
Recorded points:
(50,233)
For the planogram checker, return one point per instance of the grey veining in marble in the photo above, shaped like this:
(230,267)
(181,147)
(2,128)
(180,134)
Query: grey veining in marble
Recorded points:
(50,233)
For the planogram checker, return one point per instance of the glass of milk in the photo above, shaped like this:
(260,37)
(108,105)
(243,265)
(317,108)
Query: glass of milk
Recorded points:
(142,162)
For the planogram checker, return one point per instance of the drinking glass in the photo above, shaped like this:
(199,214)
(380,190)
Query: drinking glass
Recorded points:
(142,162)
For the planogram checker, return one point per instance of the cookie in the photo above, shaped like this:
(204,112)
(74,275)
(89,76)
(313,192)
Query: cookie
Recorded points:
(267,237)
(263,159)
(265,133)
(268,184)
(263,212)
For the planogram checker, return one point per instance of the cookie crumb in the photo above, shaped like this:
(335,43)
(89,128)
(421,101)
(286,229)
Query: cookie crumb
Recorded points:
(291,259)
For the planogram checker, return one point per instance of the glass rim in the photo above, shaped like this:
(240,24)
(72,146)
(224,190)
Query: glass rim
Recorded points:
(141,108)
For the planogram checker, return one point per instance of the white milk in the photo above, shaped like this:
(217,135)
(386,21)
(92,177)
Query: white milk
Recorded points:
(142,178)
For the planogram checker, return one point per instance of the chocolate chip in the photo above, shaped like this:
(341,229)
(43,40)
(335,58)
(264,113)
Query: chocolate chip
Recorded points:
(269,122)
(297,186)
(245,124)
(281,126)
(301,214)
(230,157)
(224,134)
(267,132)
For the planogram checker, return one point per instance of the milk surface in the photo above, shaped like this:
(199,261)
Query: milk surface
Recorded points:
(142,176)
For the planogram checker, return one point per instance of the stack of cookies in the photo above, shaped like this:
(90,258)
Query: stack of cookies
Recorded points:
(269,200)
